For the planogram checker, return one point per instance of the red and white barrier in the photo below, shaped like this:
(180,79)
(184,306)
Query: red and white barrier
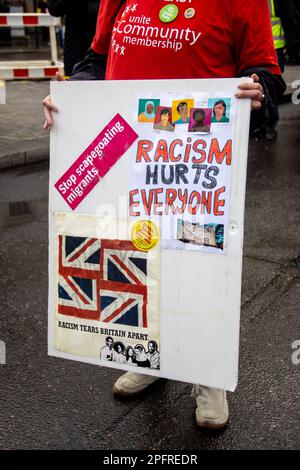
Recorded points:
(29,72)
(31,69)
(27,19)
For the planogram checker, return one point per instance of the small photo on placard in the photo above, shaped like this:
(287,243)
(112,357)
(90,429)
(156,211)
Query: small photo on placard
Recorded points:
(221,108)
(133,354)
(200,120)
(209,234)
(181,110)
(147,109)
(163,119)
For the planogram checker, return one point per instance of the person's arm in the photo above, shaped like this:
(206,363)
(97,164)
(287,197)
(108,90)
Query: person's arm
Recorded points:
(252,35)
(255,53)
(93,66)
(274,88)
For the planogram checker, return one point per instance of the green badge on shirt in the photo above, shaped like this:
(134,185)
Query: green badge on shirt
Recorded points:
(168,13)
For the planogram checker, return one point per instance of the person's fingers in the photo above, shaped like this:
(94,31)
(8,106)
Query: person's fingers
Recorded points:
(250,86)
(48,117)
(253,91)
(47,102)
(59,77)
(46,125)
(252,94)
(255,105)
(49,106)
(255,77)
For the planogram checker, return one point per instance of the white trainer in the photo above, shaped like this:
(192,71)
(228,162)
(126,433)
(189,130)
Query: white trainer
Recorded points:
(212,408)
(131,383)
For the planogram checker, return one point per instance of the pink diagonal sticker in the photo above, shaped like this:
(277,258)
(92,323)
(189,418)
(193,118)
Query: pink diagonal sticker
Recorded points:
(90,167)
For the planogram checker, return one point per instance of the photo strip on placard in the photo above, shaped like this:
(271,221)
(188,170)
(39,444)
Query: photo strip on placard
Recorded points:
(181,110)
(136,355)
(208,234)
(200,121)
(147,109)
(163,119)
(221,110)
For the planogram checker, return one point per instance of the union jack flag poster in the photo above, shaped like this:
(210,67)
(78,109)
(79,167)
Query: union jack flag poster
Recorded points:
(106,293)
(103,280)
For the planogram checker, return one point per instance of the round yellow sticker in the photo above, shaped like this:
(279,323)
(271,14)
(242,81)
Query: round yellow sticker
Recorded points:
(144,235)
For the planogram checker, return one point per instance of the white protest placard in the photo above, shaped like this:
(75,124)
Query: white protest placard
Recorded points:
(147,188)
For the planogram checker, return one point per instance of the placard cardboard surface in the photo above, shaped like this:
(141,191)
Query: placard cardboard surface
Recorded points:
(193,283)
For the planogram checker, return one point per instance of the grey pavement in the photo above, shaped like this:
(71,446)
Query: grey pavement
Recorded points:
(50,403)
(290,75)
(22,139)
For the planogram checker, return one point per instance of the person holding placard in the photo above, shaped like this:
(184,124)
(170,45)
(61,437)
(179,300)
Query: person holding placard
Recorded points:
(154,40)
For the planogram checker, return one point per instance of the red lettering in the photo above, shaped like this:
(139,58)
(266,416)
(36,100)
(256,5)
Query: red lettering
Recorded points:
(171,195)
(187,153)
(183,197)
(133,203)
(157,204)
(172,148)
(206,202)
(202,152)
(144,147)
(218,202)
(194,195)
(161,151)
(219,155)
(147,201)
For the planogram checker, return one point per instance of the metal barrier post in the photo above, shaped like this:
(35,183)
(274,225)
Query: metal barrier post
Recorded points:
(53,44)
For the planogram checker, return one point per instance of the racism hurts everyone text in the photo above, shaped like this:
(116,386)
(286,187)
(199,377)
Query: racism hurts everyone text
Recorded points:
(180,163)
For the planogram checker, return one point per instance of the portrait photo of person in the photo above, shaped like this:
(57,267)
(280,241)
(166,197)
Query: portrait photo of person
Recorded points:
(147,110)
(200,121)
(130,356)
(153,355)
(181,111)
(106,353)
(141,356)
(163,119)
(118,353)
(220,110)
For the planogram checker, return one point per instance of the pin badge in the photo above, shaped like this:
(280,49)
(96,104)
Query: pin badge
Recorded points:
(190,13)
(168,13)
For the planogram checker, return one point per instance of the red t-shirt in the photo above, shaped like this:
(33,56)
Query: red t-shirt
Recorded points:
(222,39)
